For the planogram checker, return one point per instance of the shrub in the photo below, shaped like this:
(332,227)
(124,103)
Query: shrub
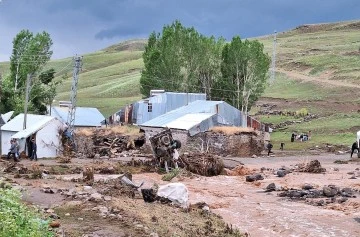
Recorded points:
(16,219)
(302,113)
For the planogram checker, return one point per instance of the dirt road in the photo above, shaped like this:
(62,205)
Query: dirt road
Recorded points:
(323,79)
(249,208)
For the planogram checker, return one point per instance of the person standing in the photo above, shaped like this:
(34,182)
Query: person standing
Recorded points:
(353,148)
(269,147)
(292,137)
(12,151)
(34,150)
(17,154)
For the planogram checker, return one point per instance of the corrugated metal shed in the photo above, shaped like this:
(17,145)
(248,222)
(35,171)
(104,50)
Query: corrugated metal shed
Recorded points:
(84,116)
(162,103)
(200,116)
(16,124)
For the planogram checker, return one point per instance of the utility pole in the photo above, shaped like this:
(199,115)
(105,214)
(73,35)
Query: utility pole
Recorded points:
(272,78)
(28,83)
(73,94)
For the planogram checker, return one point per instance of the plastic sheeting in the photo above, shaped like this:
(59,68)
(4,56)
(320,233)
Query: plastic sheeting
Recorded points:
(176,193)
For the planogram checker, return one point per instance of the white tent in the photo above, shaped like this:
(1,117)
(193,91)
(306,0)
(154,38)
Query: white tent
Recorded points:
(45,128)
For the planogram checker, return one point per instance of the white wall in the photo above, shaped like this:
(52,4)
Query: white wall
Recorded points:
(5,141)
(48,140)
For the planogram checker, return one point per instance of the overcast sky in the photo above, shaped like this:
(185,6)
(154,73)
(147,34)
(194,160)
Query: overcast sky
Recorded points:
(81,26)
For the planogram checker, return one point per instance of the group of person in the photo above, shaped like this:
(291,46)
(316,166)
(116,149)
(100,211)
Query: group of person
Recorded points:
(14,150)
(302,137)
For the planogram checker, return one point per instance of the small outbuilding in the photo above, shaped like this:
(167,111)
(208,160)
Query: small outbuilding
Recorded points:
(46,131)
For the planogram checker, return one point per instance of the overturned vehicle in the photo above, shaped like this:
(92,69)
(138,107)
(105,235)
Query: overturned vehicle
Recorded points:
(164,148)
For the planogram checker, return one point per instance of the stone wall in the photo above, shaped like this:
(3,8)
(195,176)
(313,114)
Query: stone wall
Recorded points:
(243,144)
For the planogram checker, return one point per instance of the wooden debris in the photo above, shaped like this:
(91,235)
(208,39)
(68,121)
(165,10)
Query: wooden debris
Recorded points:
(204,164)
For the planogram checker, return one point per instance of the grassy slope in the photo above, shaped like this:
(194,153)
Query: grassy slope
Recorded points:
(110,78)
(315,49)
(330,51)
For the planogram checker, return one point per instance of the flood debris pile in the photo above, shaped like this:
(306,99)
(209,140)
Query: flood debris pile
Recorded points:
(204,164)
(313,166)
(104,143)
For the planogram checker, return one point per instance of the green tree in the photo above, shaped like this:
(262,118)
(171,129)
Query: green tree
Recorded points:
(29,56)
(244,73)
(180,59)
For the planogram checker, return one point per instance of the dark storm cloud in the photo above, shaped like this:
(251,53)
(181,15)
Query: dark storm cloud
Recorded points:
(86,25)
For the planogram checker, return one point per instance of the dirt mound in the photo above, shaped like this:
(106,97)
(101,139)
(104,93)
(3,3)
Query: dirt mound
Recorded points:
(239,170)
(313,166)
(204,164)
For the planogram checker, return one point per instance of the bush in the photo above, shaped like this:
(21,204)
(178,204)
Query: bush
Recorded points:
(16,219)
(302,113)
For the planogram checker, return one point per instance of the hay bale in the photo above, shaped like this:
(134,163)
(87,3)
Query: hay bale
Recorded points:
(203,164)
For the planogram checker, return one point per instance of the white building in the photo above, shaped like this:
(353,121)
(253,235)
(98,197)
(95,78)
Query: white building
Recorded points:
(84,116)
(45,129)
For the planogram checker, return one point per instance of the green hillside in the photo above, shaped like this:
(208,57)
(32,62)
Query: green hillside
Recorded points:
(330,51)
(322,53)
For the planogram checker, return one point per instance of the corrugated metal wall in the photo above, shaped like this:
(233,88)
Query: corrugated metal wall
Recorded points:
(162,104)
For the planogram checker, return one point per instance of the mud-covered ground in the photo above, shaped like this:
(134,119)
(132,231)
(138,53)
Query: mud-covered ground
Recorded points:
(244,205)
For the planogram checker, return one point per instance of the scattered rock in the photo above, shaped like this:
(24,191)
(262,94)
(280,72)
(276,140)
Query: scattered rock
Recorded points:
(271,187)
(341,162)
(87,188)
(80,219)
(330,191)
(206,208)
(67,214)
(97,156)
(50,210)
(96,197)
(54,224)
(343,199)
(54,216)
(107,198)
(254,156)
(280,173)
(255,177)
(307,186)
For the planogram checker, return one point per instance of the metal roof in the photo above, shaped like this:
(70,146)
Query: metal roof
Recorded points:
(6,117)
(189,121)
(32,120)
(196,110)
(34,127)
(84,116)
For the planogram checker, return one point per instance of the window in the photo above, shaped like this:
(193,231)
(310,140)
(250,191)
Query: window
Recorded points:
(149,107)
